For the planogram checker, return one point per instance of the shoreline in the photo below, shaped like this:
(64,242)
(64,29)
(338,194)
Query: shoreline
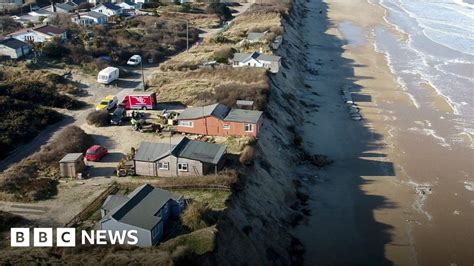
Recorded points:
(391,170)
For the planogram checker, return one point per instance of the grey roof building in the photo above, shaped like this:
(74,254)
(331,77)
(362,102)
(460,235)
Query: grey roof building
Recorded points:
(244,116)
(146,209)
(14,48)
(185,158)
(220,120)
(217,110)
(256,59)
(65,7)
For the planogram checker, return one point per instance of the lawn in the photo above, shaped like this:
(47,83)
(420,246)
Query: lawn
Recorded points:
(214,198)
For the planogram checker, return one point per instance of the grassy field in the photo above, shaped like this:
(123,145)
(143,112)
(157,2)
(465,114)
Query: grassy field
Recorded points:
(199,241)
(214,198)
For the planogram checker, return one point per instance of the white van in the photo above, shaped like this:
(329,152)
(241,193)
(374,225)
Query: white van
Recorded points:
(108,75)
(134,60)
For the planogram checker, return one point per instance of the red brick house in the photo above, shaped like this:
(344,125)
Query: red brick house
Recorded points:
(220,120)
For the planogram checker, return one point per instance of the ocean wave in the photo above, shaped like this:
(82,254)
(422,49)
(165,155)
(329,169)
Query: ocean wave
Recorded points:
(446,26)
(464,4)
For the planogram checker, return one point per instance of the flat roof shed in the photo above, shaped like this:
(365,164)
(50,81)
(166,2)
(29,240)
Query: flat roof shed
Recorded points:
(71,165)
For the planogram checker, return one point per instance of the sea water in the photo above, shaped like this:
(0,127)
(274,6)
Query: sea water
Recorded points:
(434,46)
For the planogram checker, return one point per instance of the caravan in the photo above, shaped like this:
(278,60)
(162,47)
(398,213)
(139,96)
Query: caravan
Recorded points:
(108,75)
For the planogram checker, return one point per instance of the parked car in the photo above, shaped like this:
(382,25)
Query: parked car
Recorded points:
(108,75)
(118,115)
(108,103)
(135,60)
(95,153)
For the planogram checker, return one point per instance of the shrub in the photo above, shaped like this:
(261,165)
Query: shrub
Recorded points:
(194,217)
(55,50)
(220,38)
(247,155)
(8,24)
(22,178)
(229,93)
(220,9)
(8,220)
(222,55)
(98,118)
(21,121)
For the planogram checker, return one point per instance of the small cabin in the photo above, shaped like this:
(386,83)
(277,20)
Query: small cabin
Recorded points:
(71,165)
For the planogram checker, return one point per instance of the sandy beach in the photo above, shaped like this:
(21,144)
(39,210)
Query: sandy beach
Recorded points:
(395,193)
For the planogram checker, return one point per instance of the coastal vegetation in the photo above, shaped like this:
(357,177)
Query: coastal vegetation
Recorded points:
(27,99)
(34,178)
(154,38)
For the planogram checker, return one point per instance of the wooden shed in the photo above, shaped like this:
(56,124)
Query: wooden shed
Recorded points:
(71,164)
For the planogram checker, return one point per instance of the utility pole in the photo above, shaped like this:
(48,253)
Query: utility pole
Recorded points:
(187,35)
(143,75)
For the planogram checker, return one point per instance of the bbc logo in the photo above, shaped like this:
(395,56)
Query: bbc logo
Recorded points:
(42,237)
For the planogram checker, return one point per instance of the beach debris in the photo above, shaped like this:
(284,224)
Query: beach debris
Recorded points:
(469,185)
(423,189)
(413,221)
(456,212)
(354,111)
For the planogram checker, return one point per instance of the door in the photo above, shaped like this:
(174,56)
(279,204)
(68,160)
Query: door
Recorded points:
(71,170)
(152,169)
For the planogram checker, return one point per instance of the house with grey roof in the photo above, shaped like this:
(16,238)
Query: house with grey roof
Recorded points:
(184,158)
(14,48)
(40,34)
(147,209)
(256,59)
(89,18)
(62,7)
(108,9)
(127,5)
(220,120)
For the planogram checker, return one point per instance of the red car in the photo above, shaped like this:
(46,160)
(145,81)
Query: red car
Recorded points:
(95,153)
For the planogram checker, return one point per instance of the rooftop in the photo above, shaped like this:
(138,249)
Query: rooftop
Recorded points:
(94,14)
(140,207)
(49,30)
(70,157)
(245,116)
(111,6)
(65,6)
(221,112)
(242,57)
(218,110)
(185,148)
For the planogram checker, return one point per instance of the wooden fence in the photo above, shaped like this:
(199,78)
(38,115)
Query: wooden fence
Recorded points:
(94,205)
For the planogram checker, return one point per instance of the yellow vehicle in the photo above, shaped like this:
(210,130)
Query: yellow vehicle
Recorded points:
(109,103)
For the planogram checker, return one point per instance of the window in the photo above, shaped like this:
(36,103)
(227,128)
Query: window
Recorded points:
(226,126)
(164,165)
(248,128)
(185,123)
(182,167)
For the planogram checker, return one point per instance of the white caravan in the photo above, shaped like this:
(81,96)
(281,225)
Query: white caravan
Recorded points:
(108,75)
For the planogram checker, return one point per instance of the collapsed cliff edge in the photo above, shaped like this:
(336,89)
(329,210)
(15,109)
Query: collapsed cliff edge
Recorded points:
(270,199)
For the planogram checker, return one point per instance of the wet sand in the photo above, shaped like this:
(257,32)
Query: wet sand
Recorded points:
(395,194)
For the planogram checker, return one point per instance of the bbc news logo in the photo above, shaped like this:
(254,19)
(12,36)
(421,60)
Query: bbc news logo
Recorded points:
(66,237)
